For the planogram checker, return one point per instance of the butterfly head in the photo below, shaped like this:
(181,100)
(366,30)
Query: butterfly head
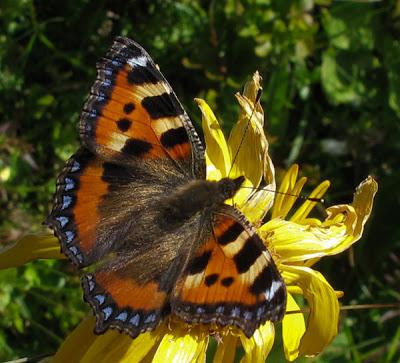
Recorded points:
(228,187)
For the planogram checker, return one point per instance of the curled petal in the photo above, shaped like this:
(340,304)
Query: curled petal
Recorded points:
(311,239)
(322,322)
(218,158)
(28,248)
(259,345)
(294,242)
(362,204)
(247,142)
(293,328)
(178,345)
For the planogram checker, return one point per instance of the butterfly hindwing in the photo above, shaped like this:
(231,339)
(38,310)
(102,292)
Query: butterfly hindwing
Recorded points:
(120,302)
(131,291)
(132,112)
(232,279)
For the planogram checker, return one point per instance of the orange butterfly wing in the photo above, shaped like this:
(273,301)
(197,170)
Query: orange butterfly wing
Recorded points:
(232,279)
(131,118)
(132,112)
(121,302)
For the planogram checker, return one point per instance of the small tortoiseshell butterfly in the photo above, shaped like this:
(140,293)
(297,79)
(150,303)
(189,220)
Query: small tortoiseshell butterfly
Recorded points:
(133,208)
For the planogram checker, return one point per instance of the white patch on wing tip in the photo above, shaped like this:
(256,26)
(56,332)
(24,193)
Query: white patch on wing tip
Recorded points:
(137,61)
(275,286)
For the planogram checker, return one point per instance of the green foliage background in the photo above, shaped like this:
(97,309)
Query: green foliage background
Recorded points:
(332,99)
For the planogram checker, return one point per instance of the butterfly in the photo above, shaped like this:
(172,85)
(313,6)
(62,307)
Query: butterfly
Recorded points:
(133,210)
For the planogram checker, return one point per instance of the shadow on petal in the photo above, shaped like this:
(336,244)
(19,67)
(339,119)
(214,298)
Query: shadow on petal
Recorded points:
(259,345)
(82,345)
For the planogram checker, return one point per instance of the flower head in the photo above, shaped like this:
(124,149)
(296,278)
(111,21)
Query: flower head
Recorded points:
(295,240)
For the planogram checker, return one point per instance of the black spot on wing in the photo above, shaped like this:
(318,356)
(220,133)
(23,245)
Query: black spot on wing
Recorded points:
(199,263)
(141,75)
(262,282)
(164,105)
(230,234)
(211,279)
(227,281)
(174,137)
(124,124)
(129,107)
(136,147)
(249,253)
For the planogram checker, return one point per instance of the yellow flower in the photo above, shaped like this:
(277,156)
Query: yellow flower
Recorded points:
(295,240)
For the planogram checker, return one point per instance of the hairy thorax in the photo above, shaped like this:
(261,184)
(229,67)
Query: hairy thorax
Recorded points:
(196,196)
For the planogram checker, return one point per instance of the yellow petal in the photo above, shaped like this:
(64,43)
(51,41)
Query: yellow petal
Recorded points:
(258,204)
(362,203)
(290,190)
(304,210)
(322,322)
(259,345)
(218,159)
(226,350)
(247,142)
(179,345)
(28,248)
(295,242)
(290,198)
(293,328)
(285,195)
(354,216)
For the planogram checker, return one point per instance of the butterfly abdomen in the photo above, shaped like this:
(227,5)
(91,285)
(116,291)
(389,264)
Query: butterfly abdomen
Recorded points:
(195,197)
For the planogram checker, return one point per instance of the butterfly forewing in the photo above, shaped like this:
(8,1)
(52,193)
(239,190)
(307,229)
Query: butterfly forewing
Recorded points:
(231,279)
(132,112)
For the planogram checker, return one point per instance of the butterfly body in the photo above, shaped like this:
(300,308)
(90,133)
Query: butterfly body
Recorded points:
(197,196)
(134,211)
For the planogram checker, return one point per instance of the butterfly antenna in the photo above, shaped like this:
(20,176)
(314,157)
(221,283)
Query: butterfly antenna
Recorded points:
(299,196)
(352,307)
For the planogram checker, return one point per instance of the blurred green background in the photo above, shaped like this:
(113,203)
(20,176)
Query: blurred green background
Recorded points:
(331,74)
